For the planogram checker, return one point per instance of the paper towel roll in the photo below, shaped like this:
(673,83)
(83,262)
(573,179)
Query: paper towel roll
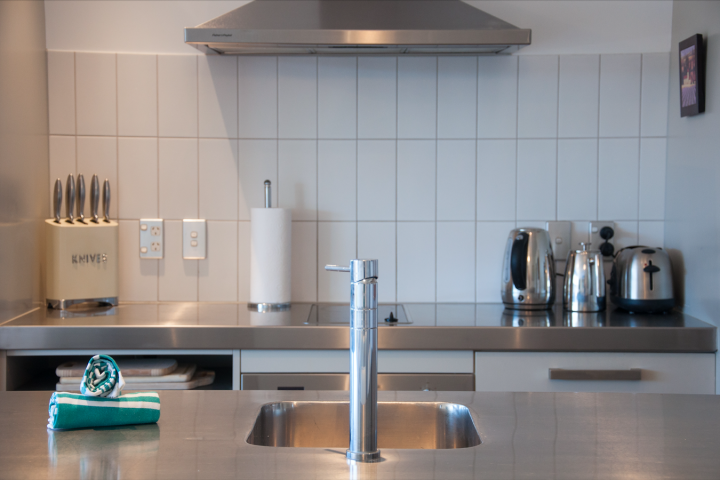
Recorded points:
(270,251)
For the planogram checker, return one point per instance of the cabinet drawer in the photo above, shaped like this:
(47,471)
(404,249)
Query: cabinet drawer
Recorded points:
(338,361)
(600,372)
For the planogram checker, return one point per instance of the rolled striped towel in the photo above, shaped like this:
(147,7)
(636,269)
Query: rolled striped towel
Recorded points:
(70,410)
(102,378)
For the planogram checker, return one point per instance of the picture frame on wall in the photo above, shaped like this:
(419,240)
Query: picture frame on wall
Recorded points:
(692,76)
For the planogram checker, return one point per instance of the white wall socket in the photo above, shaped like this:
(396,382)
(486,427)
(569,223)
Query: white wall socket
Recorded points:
(560,237)
(152,238)
(194,239)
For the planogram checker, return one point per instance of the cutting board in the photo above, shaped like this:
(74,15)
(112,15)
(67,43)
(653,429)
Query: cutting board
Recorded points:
(183,373)
(200,379)
(132,367)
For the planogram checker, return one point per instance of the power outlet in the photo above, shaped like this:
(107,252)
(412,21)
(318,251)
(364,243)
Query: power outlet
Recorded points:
(596,240)
(194,239)
(151,238)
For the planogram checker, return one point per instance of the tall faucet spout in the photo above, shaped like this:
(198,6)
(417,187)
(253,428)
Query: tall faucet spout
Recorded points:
(363,359)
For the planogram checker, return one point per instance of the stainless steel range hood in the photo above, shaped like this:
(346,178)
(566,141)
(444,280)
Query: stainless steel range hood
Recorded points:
(357,27)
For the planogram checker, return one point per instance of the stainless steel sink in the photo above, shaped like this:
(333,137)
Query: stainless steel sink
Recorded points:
(407,425)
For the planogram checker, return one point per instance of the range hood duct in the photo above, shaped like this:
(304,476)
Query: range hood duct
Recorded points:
(333,27)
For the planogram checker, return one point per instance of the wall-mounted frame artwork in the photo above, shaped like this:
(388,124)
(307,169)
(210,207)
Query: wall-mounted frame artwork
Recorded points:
(692,76)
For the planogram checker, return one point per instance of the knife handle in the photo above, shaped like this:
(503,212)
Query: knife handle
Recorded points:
(57,200)
(70,198)
(81,198)
(106,200)
(94,198)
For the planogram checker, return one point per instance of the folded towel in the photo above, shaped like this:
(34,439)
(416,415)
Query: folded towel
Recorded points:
(102,378)
(70,410)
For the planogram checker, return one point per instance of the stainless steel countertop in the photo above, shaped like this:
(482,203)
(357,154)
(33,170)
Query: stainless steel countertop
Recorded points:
(202,435)
(480,327)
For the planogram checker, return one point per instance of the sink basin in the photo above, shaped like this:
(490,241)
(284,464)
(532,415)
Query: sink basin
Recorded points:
(406,425)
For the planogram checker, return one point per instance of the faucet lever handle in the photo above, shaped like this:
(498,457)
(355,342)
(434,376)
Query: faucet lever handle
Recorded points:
(336,268)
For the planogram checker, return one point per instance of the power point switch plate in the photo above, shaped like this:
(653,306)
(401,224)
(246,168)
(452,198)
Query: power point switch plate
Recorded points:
(194,239)
(596,240)
(560,233)
(152,238)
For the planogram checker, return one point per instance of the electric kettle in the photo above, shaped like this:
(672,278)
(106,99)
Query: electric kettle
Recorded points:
(528,274)
(584,286)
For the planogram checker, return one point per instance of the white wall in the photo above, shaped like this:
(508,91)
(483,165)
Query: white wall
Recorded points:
(693,171)
(559,27)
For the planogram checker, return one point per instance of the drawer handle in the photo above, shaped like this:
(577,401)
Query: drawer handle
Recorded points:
(563,374)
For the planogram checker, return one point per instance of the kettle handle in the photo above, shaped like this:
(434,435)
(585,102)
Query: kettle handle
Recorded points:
(518,260)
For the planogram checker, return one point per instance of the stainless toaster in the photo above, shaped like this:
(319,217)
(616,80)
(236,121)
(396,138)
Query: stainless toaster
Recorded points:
(641,280)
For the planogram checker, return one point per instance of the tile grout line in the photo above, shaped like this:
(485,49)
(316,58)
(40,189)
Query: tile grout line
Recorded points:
(197,128)
(639,152)
(517,140)
(357,161)
(317,181)
(237,200)
(437,102)
(597,168)
(157,146)
(397,263)
(557,141)
(477,177)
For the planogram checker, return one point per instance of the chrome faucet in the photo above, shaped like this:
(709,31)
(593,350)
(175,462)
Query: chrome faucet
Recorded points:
(363,359)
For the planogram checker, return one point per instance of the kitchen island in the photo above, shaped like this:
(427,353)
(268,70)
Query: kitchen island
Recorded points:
(203,435)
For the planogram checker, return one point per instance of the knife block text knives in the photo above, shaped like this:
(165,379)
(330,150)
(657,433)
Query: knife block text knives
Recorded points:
(82,263)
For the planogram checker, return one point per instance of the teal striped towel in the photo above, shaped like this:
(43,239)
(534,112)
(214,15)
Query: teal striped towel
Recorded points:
(70,410)
(102,378)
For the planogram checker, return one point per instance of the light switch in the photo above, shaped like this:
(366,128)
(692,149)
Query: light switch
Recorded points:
(560,233)
(151,238)
(194,239)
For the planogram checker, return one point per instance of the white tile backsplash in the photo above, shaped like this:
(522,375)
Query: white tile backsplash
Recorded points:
(218,273)
(257,97)
(377,97)
(376,180)
(417,97)
(137,178)
(96,93)
(416,182)
(178,182)
(577,179)
(137,97)
(618,179)
(536,179)
(455,262)
(437,171)
(297,97)
(218,179)
(456,180)
(337,171)
(654,99)
(538,96)
(619,95)
(457,88)
(61,93)
(178,95)
(415,262)
(496,190)
(217,96)
(62,163)
(497,97)
(337,97)
(579,91)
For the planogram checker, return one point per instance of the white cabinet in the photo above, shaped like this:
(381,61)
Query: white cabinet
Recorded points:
(338,361)
(659,372)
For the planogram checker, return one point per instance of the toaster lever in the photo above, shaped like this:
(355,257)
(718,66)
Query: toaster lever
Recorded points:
(651,269)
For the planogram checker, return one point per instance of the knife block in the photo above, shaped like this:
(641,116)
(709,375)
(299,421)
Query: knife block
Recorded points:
(81,263)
